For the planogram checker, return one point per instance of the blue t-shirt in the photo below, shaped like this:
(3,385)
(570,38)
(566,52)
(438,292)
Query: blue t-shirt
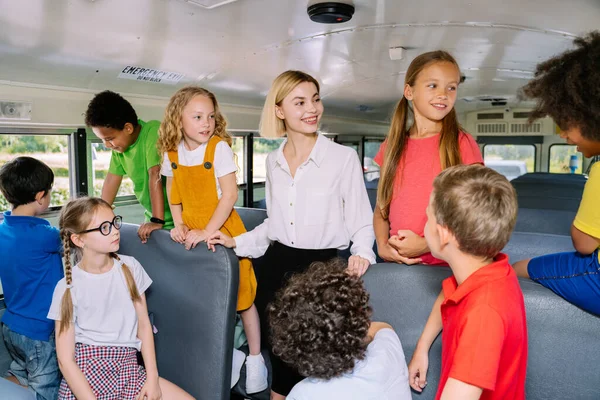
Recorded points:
(30,268)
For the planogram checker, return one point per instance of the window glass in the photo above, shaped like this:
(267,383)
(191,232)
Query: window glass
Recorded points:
(238,150)
(371,169)
(261,148)
(100,162)
(560,159)
(511,160)
(50,149)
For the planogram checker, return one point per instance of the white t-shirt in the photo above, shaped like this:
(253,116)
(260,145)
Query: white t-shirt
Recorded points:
(382,375)
(103,313)
(224,162)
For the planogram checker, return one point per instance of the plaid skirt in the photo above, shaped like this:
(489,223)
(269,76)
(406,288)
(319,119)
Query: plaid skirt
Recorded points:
(112,372)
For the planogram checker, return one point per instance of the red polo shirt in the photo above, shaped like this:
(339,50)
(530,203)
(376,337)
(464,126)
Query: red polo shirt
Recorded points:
(484,338)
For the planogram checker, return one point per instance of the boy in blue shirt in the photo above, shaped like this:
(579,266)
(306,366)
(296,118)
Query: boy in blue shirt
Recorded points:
(30,268)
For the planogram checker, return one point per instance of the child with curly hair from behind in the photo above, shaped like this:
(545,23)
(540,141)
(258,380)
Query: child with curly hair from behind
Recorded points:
(321,325)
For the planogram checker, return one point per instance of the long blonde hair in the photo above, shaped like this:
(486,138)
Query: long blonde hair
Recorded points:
(170,132)
(270,125)
(75,217)
(399,132)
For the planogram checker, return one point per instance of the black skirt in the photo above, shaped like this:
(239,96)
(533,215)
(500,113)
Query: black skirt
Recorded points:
(272,271)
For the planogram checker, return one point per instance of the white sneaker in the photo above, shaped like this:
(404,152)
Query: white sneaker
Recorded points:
(256,374)
(236,366)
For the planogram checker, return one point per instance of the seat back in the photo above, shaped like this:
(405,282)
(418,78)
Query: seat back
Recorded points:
(192,302)
(5,359)
(557,222)
(524,245)
(251,217)
(563,356)
(552,177)
(545,193)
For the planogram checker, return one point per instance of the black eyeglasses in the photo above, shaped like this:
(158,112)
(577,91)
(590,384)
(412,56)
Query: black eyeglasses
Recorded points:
(105,228)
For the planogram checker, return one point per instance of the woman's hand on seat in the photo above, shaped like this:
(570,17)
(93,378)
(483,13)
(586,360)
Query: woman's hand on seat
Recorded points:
(220,238)
(358,265)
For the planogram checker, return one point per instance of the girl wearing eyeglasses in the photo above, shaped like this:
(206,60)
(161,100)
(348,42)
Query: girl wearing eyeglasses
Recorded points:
(101,314)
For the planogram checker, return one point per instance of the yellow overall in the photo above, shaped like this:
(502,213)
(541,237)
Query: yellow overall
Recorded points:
(195,188)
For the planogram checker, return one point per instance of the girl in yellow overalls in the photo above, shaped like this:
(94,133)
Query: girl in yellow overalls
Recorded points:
(201,186)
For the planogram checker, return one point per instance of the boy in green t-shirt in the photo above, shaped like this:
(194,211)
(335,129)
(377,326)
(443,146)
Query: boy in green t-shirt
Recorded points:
(134,153)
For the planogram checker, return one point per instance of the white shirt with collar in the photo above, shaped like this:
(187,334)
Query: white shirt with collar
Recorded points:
(324,206)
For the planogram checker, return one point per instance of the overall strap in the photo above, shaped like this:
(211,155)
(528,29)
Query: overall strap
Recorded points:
(211,147)
(173,157)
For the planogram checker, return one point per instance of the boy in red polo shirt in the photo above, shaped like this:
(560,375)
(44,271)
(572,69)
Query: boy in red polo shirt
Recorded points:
(471,214)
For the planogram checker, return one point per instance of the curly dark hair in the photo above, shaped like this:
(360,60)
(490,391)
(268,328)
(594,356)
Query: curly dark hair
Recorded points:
(567,88)
(110,110)
(319,321)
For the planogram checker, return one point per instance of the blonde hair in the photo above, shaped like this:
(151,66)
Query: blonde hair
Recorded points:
(478,205)
(270,125)
(170,132)
(399,132)
(75,217)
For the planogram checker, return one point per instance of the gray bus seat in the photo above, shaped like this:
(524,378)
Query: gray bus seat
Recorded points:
(527,245)
(548,195)
(251,217)
(552,177)
(557,222)
(5,359)
(192,301)
(563,356)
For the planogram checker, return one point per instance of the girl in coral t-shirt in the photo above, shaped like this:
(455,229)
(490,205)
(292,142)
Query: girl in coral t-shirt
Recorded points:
(413,155)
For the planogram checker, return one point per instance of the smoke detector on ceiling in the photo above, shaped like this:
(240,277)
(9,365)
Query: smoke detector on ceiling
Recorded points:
(396,53)
(330,12)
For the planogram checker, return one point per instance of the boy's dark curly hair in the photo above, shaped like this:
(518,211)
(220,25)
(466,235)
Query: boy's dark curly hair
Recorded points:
(319,321)
(567,88)
(110,110)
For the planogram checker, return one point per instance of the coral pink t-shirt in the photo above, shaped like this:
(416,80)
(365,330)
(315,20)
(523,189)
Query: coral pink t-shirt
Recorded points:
(417,169)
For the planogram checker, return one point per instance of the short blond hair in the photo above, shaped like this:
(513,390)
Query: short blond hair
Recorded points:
(478,205)
(170,132)
(270,125)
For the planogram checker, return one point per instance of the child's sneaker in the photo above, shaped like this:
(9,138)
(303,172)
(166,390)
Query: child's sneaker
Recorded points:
(256,374)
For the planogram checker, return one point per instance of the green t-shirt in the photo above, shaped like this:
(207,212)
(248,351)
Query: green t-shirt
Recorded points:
(135,163)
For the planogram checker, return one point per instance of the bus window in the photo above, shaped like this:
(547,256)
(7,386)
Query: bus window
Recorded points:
(100,162)
(51,149)
(238,150)
(261,147)
(371,169)
(511,160)
(560,156)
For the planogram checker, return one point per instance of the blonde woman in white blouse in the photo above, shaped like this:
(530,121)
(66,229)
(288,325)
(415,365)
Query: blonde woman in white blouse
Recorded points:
(316,198)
